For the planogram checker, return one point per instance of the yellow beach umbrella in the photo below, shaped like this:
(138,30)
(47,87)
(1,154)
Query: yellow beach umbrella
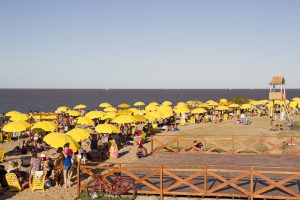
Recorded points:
(16,126)
(246,106)
(191,103)
(80,106)
(110,109)
(48,116)
(264,101)
(123,119)
(109,115)
(212,103)
(62,108)
(154,115)
(73,113)
(164,109)
(45,126)
(203,105)
(85,121)
(180,104)
(95,114)
(153,104)
(139,103)
(166,103)
(199,111)
(140,112)
(278,102)
(182,109)
(167,114)
(106,128)
(134,110)
(125,112)
(56,140)
(293,104)
(123,105)
(138,118)
(223,100)
(12,113)
(79,134)
(222,108)
(255,103)
(151,107)
(234,105)
(104,105)
(19,117)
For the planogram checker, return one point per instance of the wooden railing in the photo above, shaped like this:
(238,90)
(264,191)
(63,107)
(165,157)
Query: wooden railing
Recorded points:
(226,144)
(202,180)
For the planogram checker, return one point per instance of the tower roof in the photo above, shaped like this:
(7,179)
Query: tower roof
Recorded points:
(277,80)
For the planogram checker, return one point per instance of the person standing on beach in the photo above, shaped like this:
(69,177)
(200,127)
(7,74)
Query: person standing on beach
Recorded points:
(68,153)
(58,166)
(35,165)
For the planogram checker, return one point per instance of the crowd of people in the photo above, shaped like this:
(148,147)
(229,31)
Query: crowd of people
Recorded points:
(60,167)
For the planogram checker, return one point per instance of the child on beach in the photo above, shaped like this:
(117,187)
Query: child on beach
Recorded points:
(113,150)
(35,165)
(141,151)
(58,166)
(68,153)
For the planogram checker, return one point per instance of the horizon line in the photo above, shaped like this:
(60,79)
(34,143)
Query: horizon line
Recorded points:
(139,88)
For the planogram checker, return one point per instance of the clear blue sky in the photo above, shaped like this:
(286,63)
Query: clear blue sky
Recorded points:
(148,44)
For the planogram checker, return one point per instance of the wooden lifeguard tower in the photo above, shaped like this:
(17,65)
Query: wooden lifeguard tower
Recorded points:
(280,95)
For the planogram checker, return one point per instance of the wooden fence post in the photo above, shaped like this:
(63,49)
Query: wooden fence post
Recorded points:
(292,147)
(161,183)
(232,150)
(205,181)
(151,144)
(251,184)
(177,143)
(78,179)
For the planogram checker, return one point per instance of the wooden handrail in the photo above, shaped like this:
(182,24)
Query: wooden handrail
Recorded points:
(235,178)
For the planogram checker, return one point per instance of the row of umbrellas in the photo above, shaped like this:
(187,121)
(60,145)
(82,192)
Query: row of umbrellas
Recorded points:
(124,114)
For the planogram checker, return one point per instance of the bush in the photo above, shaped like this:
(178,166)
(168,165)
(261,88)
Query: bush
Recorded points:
(239,100)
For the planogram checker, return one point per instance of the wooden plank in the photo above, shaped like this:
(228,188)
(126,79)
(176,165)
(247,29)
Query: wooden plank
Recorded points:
(231,182)
(185,181)
(278,184)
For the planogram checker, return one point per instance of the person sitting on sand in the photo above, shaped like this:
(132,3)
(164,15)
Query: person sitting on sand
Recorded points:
(141,151)
(3,172)
(21,175)
(246,120)
(272,128)
(113,150)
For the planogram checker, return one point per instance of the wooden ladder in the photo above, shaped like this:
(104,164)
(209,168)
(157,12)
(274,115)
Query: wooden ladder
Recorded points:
(288,113)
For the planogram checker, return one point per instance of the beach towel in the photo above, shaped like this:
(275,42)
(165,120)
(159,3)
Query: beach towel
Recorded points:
(39,174)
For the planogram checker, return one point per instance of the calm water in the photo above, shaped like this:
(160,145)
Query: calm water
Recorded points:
(46,100)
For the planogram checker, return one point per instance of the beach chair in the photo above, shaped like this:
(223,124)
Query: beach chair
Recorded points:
(1,155)
(192,121)
(8,137)
(182,123)
(13,182)
(38,181)
(154,125)
(225,117)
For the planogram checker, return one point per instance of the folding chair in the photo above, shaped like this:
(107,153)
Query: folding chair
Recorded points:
(1,155)
(38,181)
(13,182)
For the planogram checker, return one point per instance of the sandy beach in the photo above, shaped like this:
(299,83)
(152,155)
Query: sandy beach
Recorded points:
(258,127)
